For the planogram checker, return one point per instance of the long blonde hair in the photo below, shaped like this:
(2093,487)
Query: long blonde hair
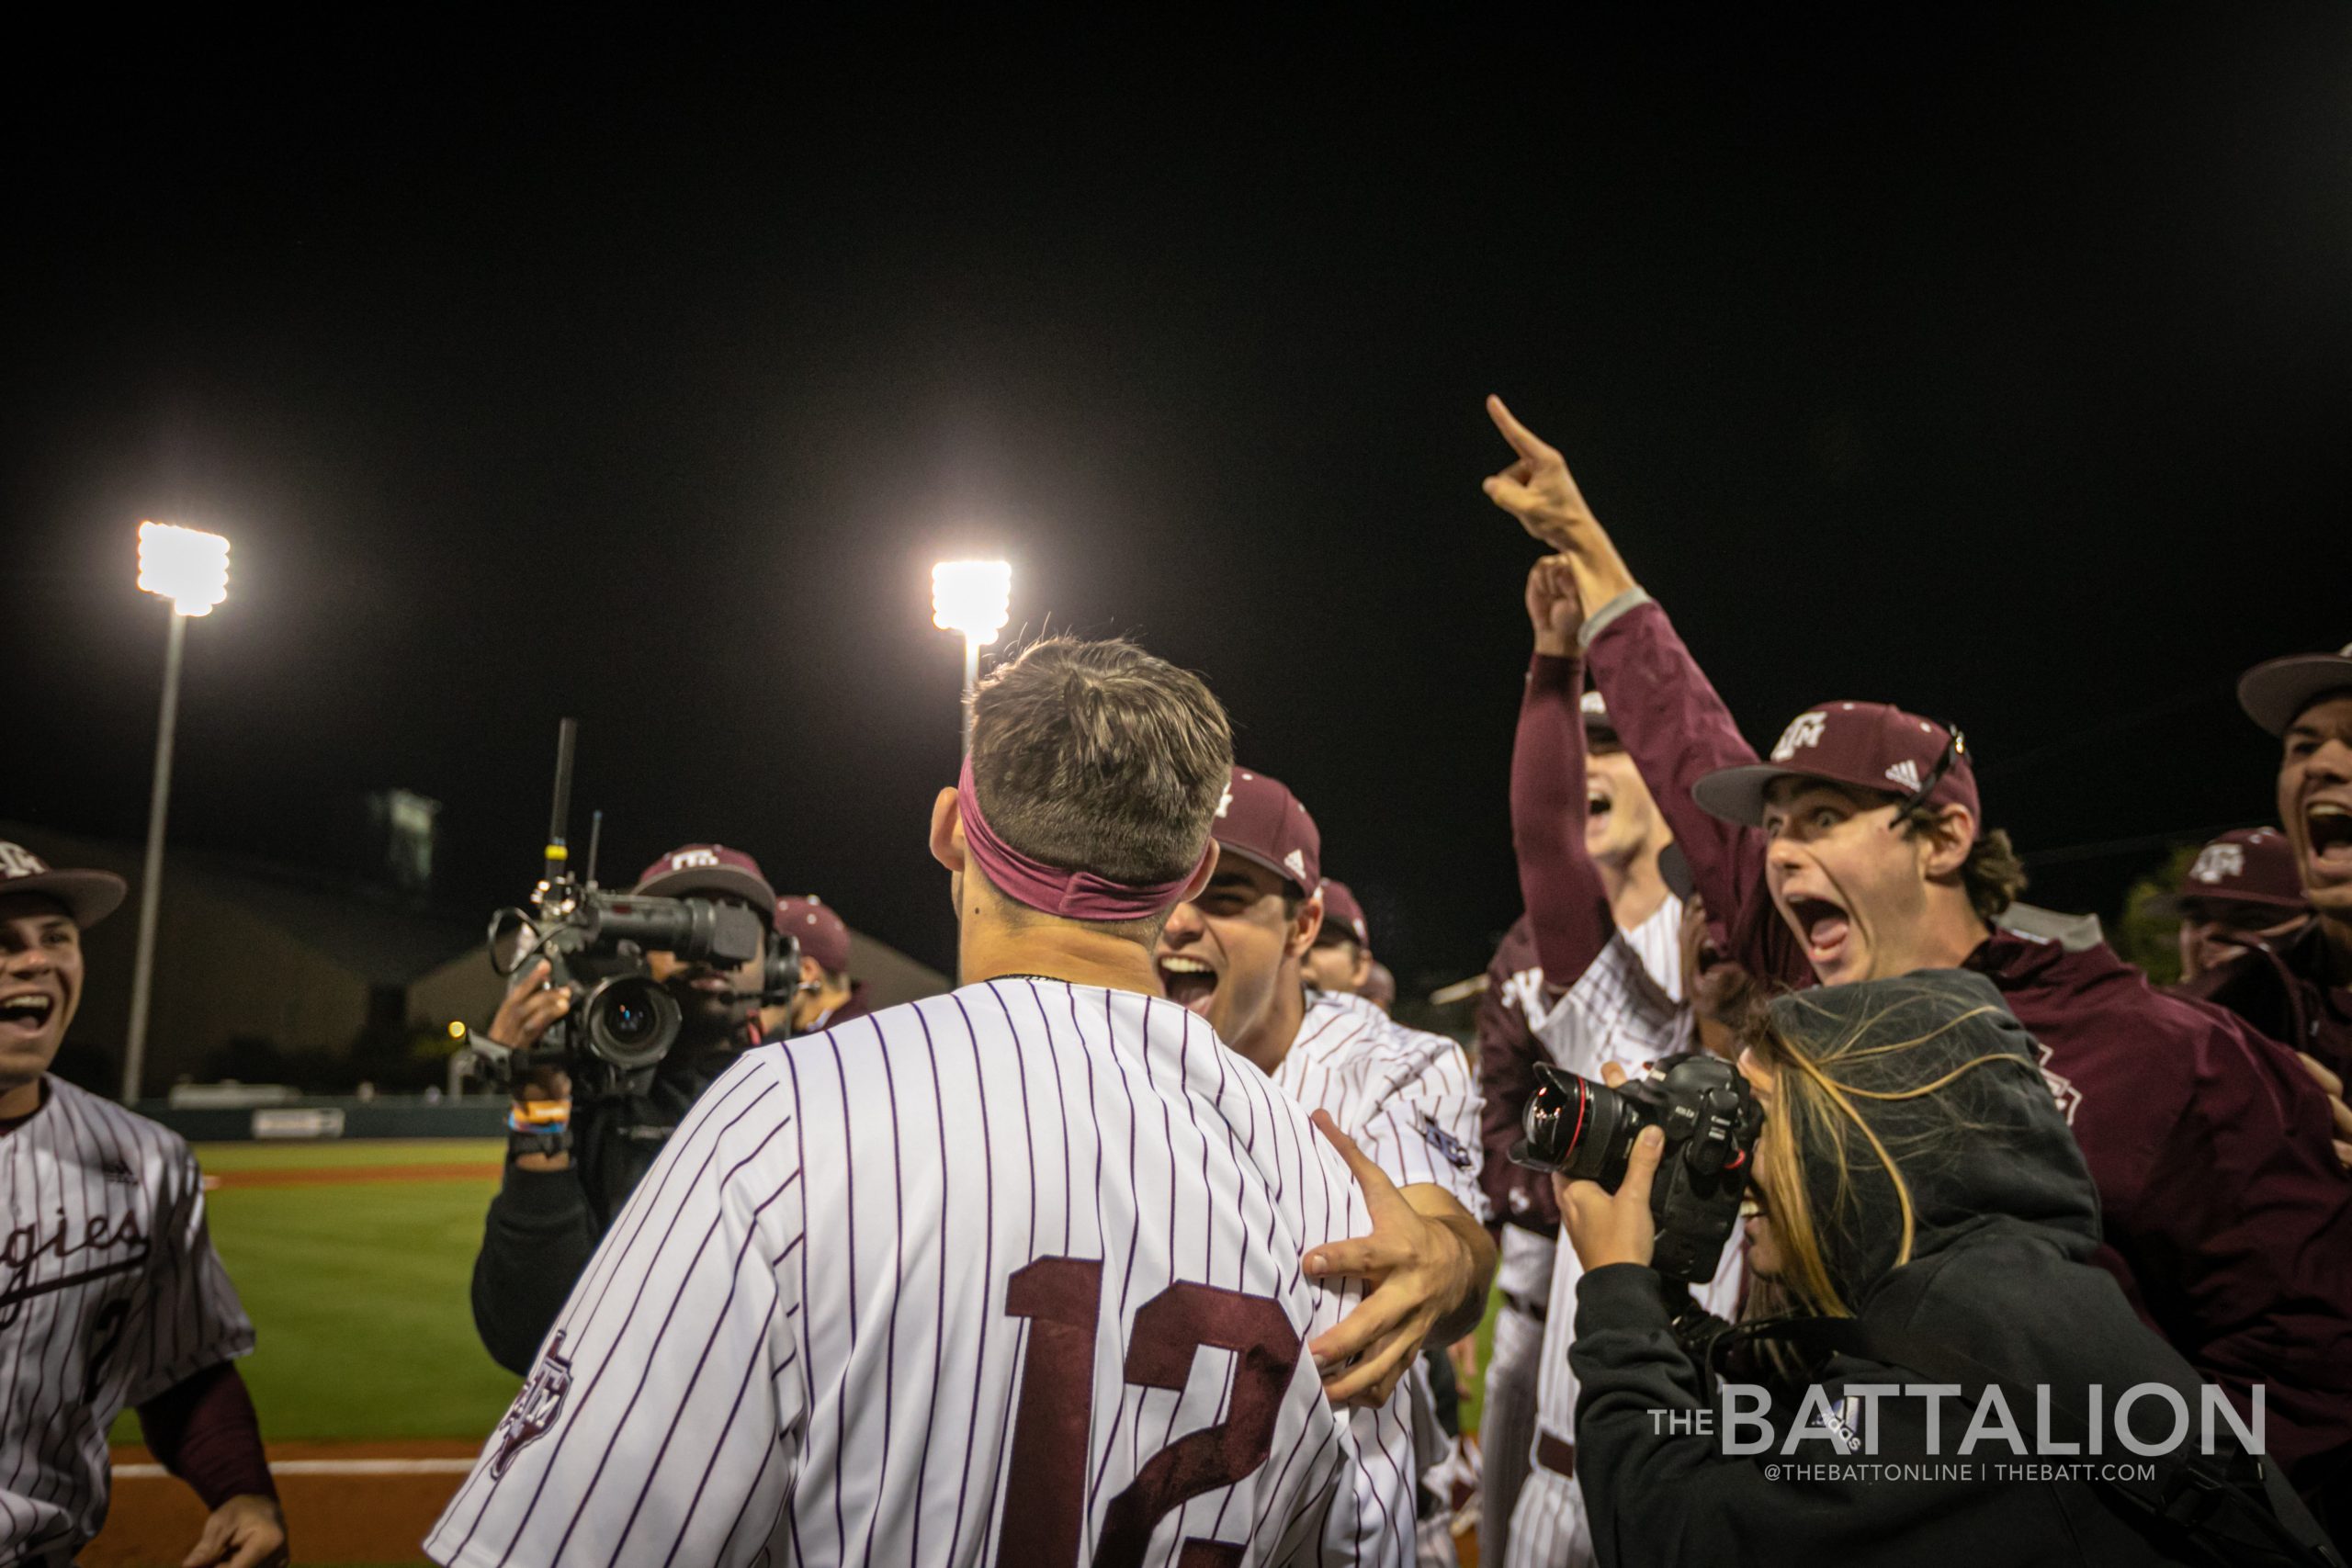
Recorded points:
(1817,1125)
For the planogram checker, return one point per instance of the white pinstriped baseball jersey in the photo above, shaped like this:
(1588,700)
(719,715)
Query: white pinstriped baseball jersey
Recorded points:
(1411,1102)
(1007,1276)
(1406,1097)
(1627,1008)
(110,1293)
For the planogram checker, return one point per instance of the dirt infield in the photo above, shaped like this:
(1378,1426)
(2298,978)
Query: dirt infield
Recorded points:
(348,1175)
(344,1503)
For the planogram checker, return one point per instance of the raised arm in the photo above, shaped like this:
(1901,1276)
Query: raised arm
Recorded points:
(1566,905)
(1661,704)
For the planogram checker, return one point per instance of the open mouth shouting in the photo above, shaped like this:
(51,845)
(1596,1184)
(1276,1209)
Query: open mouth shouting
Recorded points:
(2327,837)
(25,1014)
(1190,984)
(1826,929)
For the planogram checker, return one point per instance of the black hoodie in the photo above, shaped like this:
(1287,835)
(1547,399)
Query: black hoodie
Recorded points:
(2007,1220)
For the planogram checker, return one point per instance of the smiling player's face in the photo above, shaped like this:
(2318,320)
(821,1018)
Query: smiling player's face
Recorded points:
(1222,955)
(40,985)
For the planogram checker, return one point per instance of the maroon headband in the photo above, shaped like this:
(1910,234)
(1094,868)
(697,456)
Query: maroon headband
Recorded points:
(1073,894)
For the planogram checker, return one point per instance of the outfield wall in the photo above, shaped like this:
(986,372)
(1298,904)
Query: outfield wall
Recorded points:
(321,1118)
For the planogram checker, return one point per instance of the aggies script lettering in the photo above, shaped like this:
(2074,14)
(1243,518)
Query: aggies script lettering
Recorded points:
(98,1253)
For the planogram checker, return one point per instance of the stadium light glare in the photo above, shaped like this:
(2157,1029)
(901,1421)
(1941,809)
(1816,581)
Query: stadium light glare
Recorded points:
(186,566)
(974,597)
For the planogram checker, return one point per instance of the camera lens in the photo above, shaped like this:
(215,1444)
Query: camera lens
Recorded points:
(1582,1129)
(631,1022)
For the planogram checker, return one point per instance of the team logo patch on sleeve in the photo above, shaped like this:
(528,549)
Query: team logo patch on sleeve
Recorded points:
(535,1409)
(1456,1153)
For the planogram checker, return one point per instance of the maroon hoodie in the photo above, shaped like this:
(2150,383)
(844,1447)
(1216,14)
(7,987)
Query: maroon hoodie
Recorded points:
(2226,1216)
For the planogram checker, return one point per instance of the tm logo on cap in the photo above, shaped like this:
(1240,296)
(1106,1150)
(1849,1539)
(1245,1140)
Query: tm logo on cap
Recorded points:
(684,859)
(1805,730)
(2216,861)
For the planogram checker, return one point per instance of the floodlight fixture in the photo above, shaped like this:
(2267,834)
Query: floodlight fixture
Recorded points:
(186,566)
(974,597)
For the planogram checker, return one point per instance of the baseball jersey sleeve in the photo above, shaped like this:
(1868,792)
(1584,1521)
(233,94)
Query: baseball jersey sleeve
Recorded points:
(1567,909)
(191,1317)
(1677,730)
(662,1421)
(1615,1012)
(1426,1129)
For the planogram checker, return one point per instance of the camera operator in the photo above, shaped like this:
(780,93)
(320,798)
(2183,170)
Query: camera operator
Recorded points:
(1916,1187)
(829,996)
(571,1165)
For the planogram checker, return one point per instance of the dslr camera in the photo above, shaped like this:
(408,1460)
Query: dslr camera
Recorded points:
(623,1021)
(1585,1130)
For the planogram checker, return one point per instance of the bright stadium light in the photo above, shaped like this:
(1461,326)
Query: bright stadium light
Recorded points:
(185,565)
(190,567)
(974,597)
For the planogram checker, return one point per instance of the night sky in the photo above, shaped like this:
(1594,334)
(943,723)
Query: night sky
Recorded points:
(2004,373)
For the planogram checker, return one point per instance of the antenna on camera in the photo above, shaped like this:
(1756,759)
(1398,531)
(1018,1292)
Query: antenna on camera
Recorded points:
(567,734)
(596,837)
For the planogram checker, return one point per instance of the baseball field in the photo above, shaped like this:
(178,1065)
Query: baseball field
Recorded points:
(354,1262)
(374,1395)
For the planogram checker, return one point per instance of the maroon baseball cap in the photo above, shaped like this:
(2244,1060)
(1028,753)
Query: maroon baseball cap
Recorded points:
(1379,986)
(1260,820)
(2274,694)
(2253,866)
(709,869)
(88,897)
(1343,913)
(1868,746)
(822,933)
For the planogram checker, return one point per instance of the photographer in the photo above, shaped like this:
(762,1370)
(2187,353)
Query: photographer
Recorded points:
(571,1165)
(1860,853)
(1918,1187)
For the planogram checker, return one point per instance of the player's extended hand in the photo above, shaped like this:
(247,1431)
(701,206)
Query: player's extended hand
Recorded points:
(2334,1088)
(1538,490)
(244,1532)
(1554,607)
(529,1007)
(1417,1269)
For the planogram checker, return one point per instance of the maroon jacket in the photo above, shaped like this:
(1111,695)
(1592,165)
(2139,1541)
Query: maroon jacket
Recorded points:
(2226,1216)
(2282,988)
(1507,1053)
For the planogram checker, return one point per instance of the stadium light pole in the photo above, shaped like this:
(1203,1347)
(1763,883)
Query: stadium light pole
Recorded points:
(191,570)
(974,597)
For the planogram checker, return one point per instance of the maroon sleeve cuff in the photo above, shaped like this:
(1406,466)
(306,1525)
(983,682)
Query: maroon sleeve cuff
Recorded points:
(204,1430)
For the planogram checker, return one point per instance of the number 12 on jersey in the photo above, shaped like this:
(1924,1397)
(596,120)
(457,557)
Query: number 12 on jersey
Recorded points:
(1047,1496)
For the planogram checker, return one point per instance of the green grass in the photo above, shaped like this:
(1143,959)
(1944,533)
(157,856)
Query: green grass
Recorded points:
(336,1155)
(358,1295)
